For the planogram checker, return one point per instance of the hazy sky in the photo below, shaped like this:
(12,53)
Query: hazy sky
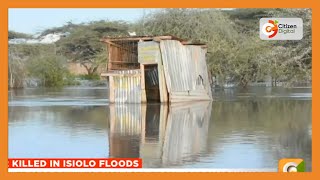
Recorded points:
(29,20)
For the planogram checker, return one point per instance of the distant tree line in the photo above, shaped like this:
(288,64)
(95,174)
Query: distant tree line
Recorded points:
(48,62)
(236,53)
(18,35)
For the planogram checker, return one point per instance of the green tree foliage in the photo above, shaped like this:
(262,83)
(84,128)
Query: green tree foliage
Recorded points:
(236,52)
(83,43)
(231,54)
(295,56)
(69,26)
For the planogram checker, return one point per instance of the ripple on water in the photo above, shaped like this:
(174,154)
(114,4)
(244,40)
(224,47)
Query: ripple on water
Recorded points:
(58,102)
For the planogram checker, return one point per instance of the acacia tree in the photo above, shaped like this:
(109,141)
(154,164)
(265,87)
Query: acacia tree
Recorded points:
(83,43)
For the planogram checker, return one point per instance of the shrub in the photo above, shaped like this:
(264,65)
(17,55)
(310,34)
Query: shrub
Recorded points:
(89,76)
(51,70)
(70,80)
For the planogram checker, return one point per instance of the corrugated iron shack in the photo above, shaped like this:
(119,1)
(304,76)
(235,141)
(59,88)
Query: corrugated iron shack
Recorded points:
(156,68)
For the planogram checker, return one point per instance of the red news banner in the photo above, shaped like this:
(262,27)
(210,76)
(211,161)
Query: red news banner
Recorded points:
(75,163)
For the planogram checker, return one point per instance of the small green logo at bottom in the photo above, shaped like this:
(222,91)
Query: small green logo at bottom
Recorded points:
(291,165)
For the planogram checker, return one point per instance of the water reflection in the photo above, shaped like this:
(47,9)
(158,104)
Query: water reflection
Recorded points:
(186,134)
(240,129)
(165,135)
(260,132)
(249,134)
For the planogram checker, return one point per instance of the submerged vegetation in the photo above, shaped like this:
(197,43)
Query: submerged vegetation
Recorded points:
(235,52)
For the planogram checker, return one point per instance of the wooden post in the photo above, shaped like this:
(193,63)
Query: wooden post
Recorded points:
(109,64)
(162,84)
(111,89)
(143,85)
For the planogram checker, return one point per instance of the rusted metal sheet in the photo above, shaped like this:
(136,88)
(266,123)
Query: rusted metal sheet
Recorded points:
(127,89)
(185,69)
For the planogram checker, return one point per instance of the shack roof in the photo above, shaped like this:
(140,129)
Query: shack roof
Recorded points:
(112,40)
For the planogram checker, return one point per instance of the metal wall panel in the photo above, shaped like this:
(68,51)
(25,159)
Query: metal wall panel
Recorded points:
(185,68)
(127,89)
(198,55)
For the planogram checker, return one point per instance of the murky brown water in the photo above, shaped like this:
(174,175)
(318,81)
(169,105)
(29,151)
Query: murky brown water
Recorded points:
(250,129)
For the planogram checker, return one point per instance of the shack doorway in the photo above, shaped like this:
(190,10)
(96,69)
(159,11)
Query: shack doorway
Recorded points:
(151,76)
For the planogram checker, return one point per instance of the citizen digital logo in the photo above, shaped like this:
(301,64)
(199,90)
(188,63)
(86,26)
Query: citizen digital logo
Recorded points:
(281,28)
(287,28)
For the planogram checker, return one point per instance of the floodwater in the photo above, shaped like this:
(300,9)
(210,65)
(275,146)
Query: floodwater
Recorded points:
(240,129)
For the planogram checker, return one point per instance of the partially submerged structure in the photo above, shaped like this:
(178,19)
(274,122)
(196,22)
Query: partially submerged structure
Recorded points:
(156,68)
